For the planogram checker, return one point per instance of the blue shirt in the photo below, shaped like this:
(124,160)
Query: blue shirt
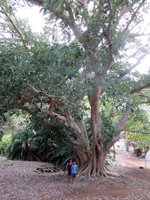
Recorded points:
(74,169)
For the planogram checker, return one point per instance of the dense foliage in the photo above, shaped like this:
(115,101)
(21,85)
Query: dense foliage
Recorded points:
(4,144)
(32,140)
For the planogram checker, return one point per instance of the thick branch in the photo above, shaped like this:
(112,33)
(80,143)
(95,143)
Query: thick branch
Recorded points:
(122,121)
(139,34)
(68,21)
(147,99)
(54,115)
(135,131)
(133,66)
(144,96)
(145,102)
(119,128)
(34,97)
(71,22)
(139,89)
(28,86)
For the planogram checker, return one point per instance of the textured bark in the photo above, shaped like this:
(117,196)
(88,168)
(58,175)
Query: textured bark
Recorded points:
(95,165)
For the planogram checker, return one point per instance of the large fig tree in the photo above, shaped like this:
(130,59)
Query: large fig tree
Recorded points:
(82,67)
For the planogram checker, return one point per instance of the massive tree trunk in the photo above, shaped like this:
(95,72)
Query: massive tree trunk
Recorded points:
(96,164)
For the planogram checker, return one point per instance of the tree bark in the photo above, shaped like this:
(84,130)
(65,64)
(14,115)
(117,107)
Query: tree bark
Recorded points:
(95,166)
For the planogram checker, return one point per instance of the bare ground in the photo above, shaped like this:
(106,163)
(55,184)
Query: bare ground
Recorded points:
(20,181)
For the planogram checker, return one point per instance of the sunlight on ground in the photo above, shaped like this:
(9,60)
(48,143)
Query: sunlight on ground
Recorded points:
(120,148)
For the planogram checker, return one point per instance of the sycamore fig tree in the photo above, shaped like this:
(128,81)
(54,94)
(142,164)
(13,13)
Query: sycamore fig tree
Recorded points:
(82,67)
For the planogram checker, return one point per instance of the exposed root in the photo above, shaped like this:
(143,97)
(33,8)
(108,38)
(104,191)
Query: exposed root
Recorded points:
(83,169)
(107,169)
(112,175)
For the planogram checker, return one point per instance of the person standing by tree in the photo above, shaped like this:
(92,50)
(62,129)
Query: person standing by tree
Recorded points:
(68,169)
(73,170)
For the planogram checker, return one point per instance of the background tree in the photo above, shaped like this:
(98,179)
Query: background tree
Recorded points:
(137,131)
(53,79)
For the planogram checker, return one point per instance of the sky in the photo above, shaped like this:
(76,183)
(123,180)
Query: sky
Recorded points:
(36,22)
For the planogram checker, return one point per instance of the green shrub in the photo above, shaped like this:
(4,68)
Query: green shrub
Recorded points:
(14,150)
(141,143)
(4,144)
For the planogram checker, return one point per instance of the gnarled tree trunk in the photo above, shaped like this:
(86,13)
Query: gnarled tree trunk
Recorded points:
(95,166)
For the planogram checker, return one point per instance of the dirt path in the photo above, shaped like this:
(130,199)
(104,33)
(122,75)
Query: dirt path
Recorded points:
(20,181)
(131,161)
